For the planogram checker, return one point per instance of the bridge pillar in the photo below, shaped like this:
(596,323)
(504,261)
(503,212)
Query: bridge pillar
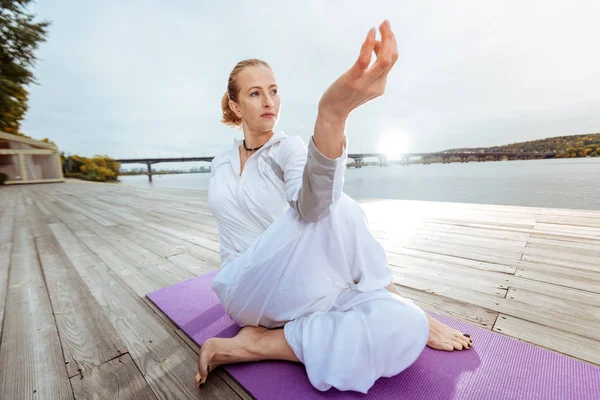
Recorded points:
(149,172)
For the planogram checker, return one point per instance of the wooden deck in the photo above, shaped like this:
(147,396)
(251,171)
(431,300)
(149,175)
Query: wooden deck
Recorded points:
(76,260)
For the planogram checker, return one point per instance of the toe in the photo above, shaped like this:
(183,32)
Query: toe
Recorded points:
(466,342)
(447,346)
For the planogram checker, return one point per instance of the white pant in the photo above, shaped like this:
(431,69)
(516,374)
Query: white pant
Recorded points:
(325,283)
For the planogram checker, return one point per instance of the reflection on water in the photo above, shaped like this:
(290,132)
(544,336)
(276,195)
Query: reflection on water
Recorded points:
(558,183)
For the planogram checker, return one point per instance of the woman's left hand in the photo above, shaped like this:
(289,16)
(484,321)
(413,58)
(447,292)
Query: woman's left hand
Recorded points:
(360,83)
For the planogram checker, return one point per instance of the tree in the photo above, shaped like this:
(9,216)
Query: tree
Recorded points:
(20,36)
(99,168)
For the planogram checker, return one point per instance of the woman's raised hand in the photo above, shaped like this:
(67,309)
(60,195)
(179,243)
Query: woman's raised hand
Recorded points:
(360,83)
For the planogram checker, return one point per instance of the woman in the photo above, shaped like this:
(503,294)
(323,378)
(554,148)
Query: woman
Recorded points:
(296,252)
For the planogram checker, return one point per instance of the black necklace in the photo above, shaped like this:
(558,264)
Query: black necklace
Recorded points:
(247,149)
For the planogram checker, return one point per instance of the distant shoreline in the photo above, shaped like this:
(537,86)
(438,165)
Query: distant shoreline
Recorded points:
(472,159)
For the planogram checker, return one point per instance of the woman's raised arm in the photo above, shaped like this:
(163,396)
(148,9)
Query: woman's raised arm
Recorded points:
(354,88)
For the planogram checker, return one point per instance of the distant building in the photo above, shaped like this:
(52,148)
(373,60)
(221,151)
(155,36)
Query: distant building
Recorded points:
(27,160)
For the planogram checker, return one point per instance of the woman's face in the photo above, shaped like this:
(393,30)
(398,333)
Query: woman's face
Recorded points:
(258,100)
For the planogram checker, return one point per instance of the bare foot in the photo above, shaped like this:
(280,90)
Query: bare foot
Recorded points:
(442,337)
(218,351)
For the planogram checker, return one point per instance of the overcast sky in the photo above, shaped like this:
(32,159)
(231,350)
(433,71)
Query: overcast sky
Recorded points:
(145,78)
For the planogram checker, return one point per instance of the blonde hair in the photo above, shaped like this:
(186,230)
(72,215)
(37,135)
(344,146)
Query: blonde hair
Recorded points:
(229,117)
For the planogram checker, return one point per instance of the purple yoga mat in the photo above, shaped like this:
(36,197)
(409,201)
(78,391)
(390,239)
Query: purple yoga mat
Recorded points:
(496,367)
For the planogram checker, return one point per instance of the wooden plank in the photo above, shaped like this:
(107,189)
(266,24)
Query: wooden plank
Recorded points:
(586,221)
(89,214)
(495,243)
(60,212)
(541,315)
(464,252)
(554,339)
(118,379)
(459,310)
(565,247)
(567,230)
(187,235)
(30,343)
(549,259)
(126,266)
(172,245)
(570,277)
(168,365)
(142,269)
(442,288)
(5,255)
(411,255)
(192,264)
(87,338)
(585,313)
(167,321)
(45,211)
(478,232)
(565,238)
(117,212)
(481,284)
(233,384)
(387,205)
(144,208)
(453,216)
(159,266)
(194,233)
(6,221)
(38,222)
(433,223)
(561,292)
(447,246)
(147,212)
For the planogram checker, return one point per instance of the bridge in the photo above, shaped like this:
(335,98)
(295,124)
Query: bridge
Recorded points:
(150,161)
(425,158)
(448,157)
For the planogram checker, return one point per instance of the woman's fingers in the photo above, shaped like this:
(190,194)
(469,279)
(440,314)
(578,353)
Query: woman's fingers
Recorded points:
(364,59)
(394,49)
(377,47)
(388,52)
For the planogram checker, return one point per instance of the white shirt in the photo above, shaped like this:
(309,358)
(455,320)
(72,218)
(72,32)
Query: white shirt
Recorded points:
(314,269)
(284,172)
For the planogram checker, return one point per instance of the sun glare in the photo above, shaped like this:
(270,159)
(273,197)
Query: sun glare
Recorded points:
(393,145)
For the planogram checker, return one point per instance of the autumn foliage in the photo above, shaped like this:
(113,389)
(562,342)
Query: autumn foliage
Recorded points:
(98,168)
(562,146)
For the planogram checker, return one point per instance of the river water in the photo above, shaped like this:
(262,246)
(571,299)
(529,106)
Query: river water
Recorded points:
(556,183)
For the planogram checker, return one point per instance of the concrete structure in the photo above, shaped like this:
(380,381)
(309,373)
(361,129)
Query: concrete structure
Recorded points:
(26,160)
